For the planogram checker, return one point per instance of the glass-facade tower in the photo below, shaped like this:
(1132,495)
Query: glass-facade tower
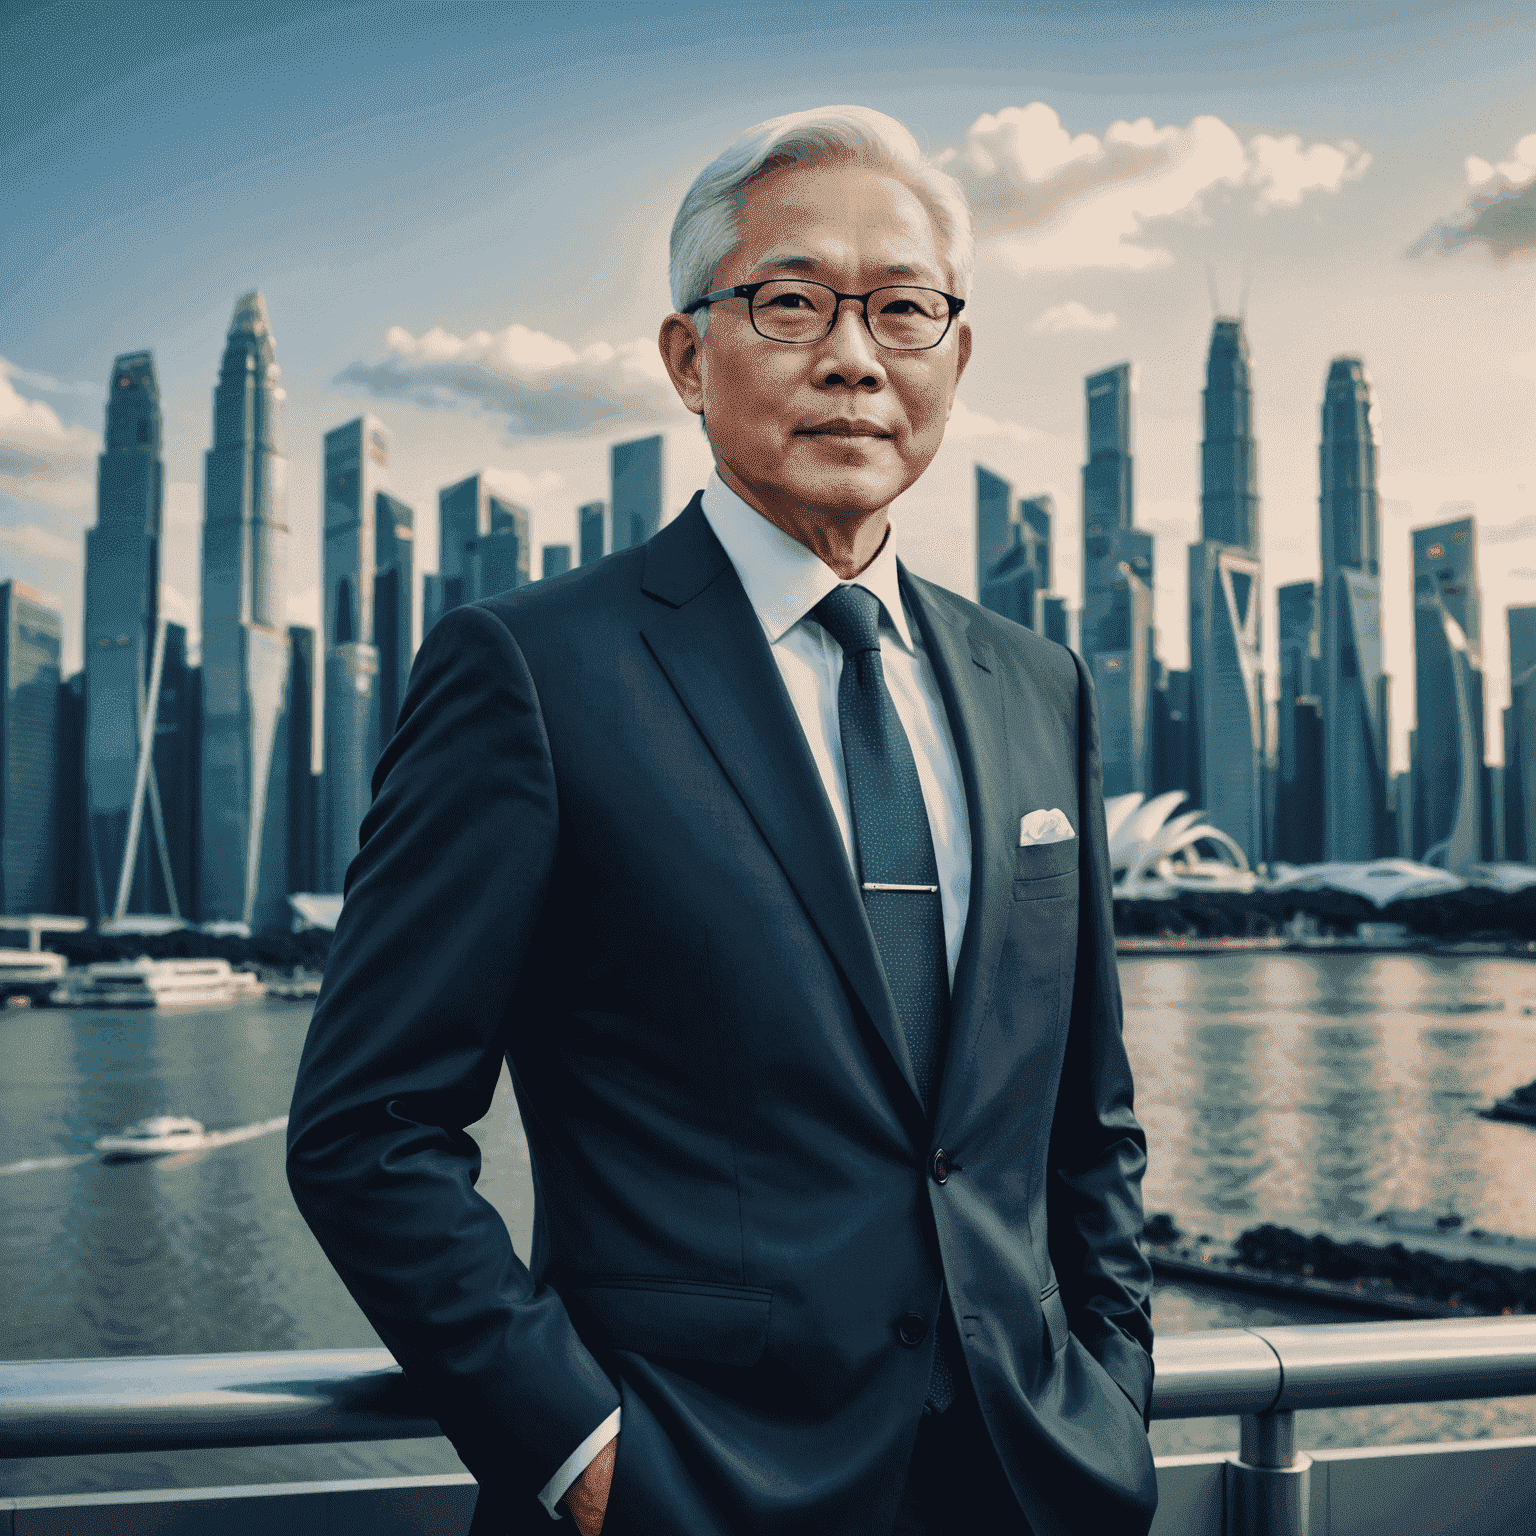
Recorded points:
(244,841)
(1225,603)
(635,470)
(1117,583)
(1356,723)
(1298,831)
(30,845)
(122,609)
(1450,825)
(1520,737)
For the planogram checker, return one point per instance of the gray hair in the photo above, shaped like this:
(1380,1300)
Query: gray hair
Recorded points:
(704,231)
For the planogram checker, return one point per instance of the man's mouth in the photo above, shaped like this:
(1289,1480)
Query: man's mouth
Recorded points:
(843,428)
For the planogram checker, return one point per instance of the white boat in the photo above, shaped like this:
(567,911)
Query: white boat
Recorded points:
(146,983)
(155,1137)
(162,1134)
(29,972)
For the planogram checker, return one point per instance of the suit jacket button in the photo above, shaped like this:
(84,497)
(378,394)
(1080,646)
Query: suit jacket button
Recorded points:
(911,1330)
(940,1166)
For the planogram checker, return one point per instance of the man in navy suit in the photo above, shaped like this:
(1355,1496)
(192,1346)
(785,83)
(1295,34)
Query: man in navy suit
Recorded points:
(778,877)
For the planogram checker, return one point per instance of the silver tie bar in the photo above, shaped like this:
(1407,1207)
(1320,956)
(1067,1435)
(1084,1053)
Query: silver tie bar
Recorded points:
(876,885)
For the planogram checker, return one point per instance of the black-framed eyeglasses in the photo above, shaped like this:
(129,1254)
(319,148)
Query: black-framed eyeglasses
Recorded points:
(798,312)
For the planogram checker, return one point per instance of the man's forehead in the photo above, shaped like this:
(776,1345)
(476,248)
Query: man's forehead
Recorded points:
(794,260)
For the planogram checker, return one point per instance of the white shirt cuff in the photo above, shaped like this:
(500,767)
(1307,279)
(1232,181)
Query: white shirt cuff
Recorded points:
(577,1463)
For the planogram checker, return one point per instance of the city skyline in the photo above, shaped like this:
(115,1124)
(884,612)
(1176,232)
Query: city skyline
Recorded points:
(472,244)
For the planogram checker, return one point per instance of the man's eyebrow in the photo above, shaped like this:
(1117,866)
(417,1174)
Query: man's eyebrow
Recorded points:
(789,263)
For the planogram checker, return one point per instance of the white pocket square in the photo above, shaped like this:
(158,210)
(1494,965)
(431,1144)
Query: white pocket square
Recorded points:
(1044,827)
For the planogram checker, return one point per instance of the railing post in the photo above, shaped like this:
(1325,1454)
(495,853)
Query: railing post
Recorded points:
(1269,1482)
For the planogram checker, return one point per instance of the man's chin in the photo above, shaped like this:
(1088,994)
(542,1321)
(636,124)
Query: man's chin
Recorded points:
(849,494)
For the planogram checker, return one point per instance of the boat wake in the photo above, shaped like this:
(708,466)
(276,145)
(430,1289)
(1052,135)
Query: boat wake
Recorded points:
(205,1141)
(32,1164)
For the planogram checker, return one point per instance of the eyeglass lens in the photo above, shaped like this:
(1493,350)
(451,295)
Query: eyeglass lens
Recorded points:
(903,319)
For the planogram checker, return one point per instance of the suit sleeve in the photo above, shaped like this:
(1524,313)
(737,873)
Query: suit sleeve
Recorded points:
(1098,1151)
(405,1049)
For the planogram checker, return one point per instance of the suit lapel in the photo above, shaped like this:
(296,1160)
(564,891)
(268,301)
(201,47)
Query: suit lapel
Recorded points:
(709,642)
(970,682)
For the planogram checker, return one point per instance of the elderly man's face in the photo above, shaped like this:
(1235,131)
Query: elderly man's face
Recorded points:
(840,425)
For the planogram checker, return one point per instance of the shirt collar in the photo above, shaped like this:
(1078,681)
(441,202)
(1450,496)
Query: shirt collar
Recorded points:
(783,579)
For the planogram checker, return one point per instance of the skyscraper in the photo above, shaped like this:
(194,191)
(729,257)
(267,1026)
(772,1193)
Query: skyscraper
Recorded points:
(635,479)
(30,631)
(1123,675)
(994,524)
(1225,603)
(304,840)
(1298,827)
(244,839)
(556,560)
(1037,513)
(122,608)
(1356,727)
(469,569)
(1520,738)
(592,517)
(1450,816)
(1117,583)
(173,813)
(356,457)
(501,559)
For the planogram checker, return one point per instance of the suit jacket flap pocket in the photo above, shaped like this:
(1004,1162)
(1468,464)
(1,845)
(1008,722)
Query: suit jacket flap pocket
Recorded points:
(675,1319)
(1038,861)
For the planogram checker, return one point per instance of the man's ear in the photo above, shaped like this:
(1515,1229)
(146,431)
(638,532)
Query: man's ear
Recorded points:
(962,349)
(682,352)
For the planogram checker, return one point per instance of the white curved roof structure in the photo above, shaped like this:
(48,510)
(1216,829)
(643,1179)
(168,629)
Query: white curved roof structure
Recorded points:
(1155,854)
(1380,882)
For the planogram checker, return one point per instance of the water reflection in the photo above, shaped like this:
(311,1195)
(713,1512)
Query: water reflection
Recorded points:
(1268,1085)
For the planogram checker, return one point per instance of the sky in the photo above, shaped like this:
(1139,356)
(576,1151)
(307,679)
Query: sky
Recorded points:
(458,213)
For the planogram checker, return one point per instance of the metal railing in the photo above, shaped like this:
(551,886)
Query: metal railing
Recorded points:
(1262,1375)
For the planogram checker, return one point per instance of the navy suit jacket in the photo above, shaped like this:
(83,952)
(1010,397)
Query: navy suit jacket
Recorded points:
(599,849)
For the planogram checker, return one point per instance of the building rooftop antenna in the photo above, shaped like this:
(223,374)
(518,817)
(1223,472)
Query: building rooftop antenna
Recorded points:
(1210,283)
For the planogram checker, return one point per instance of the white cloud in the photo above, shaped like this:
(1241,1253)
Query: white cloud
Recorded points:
(52,386)
(1526,572)
(42,460)
(966,425)
(41,543)
(519,487)
(1524,365)
(1500,215)
(1045,199)
(1061,319)
(1049,200)
(1508,533)
(540,384)
(1285,171)
(1517,170)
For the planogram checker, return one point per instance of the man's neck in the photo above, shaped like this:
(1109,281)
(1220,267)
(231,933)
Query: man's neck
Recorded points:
(845,542)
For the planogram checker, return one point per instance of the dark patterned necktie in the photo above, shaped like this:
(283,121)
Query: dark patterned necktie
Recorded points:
(898,874)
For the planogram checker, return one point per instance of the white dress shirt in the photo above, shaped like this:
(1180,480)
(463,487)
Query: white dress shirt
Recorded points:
(783,581)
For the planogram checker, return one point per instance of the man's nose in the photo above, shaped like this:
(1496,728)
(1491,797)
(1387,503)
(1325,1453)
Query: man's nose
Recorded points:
(849,353)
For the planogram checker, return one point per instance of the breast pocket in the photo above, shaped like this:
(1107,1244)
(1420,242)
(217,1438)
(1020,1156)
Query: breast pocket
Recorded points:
(1045,869)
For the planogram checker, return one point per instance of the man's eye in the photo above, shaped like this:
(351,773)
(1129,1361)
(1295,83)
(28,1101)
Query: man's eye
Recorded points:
(789,301)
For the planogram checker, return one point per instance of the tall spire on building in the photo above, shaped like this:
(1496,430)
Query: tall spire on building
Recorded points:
(245,640)
(1356,721)
(122,610)
(1225,603)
